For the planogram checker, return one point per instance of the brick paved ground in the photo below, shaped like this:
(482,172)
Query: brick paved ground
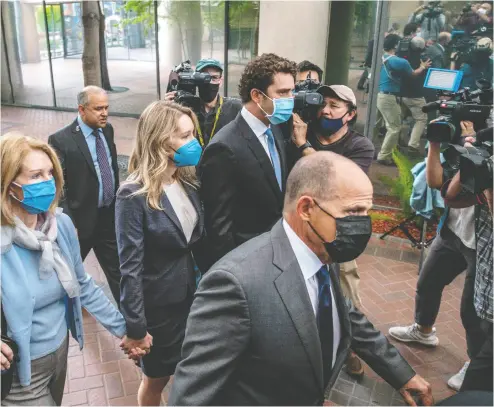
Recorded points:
(100,375)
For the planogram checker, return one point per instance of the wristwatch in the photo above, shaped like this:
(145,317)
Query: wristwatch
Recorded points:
(304,146)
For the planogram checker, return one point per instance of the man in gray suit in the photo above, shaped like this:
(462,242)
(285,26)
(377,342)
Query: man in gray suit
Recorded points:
(269,324)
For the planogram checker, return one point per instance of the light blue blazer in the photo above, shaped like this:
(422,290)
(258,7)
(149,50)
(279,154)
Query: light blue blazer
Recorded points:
(14,263)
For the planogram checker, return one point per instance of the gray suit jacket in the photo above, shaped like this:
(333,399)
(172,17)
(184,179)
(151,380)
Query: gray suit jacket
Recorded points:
(437,56)
(252,337)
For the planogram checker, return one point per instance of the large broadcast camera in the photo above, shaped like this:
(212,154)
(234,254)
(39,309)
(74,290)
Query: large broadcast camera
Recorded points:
(184,80)
(456,106)
(474,163)
(307,101)
(465,46)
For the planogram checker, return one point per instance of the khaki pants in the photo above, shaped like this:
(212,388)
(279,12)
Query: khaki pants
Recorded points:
(390,109)
(349,281)
(414,105)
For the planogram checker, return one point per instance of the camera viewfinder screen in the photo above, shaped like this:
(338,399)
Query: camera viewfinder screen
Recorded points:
(443,79)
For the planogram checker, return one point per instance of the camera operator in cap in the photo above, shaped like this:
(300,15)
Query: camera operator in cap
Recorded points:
(216,111)
(331,131)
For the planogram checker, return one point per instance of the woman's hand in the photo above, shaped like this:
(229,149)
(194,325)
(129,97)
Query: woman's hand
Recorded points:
(136,348)
(7,356)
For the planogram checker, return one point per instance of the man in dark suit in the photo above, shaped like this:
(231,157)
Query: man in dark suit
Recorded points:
(437,51)
(243,169)
(88,155)
(269,324)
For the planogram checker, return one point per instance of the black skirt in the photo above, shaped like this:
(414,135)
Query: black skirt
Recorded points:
(168,336)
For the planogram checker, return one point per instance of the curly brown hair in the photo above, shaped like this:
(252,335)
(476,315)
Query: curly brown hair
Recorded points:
(259,74)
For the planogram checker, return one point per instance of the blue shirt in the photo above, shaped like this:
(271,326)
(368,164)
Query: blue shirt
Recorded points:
(49,327)
(91,143)
(391,73)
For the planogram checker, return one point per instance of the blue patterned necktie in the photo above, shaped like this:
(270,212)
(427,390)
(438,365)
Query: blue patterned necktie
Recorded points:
(275,158)
(105,170)
(325,321)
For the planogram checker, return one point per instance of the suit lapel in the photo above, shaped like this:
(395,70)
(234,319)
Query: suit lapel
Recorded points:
(80,140)
(260,154)
(293,292)
(280,145)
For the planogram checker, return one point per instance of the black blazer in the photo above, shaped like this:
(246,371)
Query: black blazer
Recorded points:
(80,198)
(241,196)
(156,261)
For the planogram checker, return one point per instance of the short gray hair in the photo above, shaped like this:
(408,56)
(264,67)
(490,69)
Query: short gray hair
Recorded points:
(83,95)
(312,176)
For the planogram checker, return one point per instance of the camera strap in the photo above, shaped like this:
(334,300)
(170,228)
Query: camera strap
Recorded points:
(199,131)
(388,72)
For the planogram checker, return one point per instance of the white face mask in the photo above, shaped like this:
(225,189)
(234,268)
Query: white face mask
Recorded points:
(482,11)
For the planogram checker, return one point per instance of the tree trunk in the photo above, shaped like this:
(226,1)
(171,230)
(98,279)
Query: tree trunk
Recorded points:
(91,52)
(105,78)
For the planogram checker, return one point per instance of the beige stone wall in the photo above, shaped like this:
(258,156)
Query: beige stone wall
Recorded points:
(296,30)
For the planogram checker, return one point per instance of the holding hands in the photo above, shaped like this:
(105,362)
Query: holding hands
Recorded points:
(136,348)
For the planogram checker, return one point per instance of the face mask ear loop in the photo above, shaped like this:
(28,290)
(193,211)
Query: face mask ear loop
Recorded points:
(274,106)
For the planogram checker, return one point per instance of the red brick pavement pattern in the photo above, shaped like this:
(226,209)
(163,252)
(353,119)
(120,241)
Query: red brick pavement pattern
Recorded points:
(100,374)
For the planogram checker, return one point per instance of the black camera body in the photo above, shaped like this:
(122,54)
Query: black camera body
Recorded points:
(184,80)
(474,163)
(307,101)
(466,105)
(433,10)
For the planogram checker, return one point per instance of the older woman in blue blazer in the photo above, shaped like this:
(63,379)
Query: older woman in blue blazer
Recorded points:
(44,284)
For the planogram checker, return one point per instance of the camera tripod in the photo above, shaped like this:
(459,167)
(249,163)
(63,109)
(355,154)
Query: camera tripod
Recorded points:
(421,244)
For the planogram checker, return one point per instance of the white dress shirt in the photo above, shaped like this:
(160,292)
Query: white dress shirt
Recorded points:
(310,264)
(258,127)
(185,211)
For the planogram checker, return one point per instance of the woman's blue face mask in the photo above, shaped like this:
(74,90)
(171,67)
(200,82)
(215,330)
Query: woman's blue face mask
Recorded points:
(282,109)
(38,197)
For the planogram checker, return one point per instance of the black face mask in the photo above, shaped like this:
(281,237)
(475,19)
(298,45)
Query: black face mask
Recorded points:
(352,235)
(208,92)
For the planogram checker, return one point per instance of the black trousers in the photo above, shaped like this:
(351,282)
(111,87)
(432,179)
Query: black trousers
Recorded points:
(479,372)
(104,244)
(449,257)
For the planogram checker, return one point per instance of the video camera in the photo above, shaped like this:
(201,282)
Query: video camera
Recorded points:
(184,80)
(456,105)
(433,10)
(307,101)
(474,163)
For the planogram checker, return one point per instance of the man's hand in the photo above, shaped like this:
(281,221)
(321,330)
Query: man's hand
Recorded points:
(136,348)
(170,96)
(425,64)
(299,136)
(417,386)
(488,198)
(7,356)
(467,129)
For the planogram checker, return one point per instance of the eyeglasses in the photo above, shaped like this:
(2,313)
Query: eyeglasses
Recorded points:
(215,78)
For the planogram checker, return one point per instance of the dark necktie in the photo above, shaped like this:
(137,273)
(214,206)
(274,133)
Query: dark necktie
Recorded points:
(325,321)
(105,170)
(275,158)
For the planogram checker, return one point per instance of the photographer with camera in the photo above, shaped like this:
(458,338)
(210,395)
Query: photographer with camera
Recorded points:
(213,110)
(331,131)
(308,70)
(393,70)
(412,90)
(458,193)
(453,251)
(475,63)
(431,18)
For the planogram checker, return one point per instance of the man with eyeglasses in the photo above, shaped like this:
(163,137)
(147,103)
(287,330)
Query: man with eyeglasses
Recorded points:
(216,111)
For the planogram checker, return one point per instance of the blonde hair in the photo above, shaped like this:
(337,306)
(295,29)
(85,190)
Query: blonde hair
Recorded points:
(150,157)
(15,147)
